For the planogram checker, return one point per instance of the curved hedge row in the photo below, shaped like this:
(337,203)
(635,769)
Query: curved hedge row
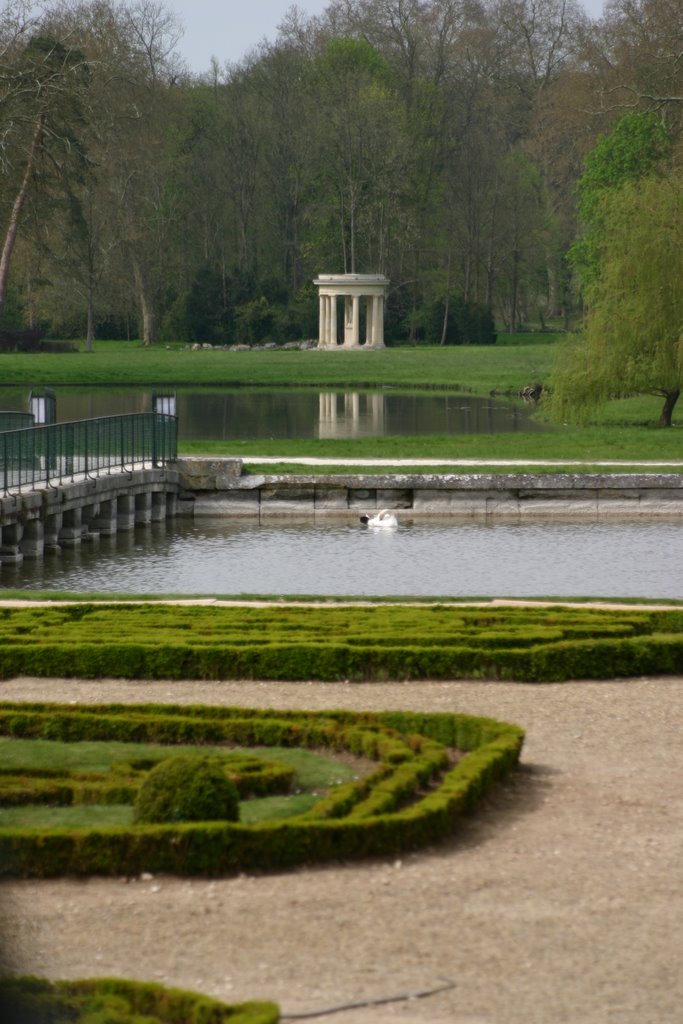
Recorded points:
(413,799)
(157,641)
(38,1001)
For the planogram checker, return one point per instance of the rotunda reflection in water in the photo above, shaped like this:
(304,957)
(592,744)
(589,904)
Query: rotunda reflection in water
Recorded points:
(208,414)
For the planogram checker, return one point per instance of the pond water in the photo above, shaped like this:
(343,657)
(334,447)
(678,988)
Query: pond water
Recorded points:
(420,558)
(206,414)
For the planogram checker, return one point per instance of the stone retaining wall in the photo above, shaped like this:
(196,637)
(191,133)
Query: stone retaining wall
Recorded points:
(217,487)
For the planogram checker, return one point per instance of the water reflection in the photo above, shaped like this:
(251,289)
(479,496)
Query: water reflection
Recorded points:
(222,556)
(255,413)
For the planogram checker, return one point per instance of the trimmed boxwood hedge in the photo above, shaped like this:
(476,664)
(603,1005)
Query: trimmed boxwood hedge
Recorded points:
(157,641)
(28,1000)
(413,799)
(186,788)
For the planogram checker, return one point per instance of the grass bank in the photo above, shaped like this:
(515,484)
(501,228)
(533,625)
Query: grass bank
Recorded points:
(588,445)
(470,369)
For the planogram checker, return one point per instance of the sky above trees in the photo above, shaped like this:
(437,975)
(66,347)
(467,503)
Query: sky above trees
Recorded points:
(229,29)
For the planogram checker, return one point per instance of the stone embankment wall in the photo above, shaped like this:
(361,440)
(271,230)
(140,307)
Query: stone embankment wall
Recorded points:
(218,487)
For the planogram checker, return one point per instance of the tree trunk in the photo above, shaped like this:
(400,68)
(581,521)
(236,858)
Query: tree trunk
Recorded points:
(670,399)
(342,228)
(514,289)
(11,236)
(146,306)
(490,260)
(90,328)
(446,305)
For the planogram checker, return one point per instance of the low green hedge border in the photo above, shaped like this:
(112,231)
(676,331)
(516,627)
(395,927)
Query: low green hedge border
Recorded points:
(153,641)
(28,1000)
(412,800)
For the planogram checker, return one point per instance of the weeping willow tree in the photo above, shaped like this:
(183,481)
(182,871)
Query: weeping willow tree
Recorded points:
(633,337)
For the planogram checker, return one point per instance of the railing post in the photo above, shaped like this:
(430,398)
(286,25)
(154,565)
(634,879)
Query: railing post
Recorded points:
(154,439)
(50,438)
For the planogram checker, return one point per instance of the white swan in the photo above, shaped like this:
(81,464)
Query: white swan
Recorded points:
(385,519)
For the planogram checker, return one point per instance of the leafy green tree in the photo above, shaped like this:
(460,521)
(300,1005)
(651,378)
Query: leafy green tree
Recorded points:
(636,146)
(361,151)
(633,340)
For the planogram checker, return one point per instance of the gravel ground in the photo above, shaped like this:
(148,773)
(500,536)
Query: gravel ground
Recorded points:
(558,902)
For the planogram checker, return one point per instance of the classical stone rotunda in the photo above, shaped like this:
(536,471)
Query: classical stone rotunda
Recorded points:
(352,288)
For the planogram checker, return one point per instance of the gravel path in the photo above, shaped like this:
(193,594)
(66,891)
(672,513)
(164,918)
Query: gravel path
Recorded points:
(559,902)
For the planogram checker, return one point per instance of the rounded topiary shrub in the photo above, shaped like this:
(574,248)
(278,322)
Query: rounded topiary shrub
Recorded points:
(186,788)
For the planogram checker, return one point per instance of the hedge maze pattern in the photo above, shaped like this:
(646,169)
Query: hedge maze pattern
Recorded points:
(412,798)
(385,641)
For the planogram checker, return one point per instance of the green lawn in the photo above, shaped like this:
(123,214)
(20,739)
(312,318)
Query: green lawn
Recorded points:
(470,369)
(312,770)
(587,444)
(267,808)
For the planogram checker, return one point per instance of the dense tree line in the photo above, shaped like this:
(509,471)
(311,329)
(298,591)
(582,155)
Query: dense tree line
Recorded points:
(439,142)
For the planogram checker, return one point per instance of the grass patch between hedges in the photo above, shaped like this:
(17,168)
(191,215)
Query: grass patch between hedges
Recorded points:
(51,784)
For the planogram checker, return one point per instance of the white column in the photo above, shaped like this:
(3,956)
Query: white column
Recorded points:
(369,319)
(379,322)
(333,321)
(356,320)
(321,320)
(331,301)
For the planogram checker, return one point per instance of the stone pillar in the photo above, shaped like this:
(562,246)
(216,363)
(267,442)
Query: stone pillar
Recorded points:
(104,518)
(333,321)
(348,320)
(379,322)
(10,540)
(71,532)
(125,512)
(370,303)
(321,321)
(158,510)
(143,509)
(171,505)
(355,326)
(53,526)
(90,529)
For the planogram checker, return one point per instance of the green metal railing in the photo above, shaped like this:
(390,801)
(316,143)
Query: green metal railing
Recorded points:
(56,453)
(11,420)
